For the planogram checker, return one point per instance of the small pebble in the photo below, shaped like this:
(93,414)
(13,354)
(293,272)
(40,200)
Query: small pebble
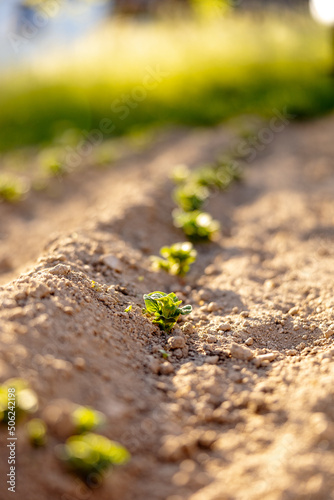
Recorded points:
(209,270)
(212,307)
(204,295)
(178,353)
(240,352)
(265,359)
(154,365)
(60,270)
(79,363)
(270,284)
(329,332)
(291,352)
(166,368)
(176,342)
(249,341)
(224,327)
(212,360)
(294,310)
(211,339)
(187,328)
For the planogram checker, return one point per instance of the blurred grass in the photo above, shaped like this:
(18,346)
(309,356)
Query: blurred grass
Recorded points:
(211,71)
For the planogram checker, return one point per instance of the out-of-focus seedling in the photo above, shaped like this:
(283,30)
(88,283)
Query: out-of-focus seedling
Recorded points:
(180,174)
(12,188)
(36,429)
(23,400)
(175,259)
(91,454)
(218,176)
(164,354)
(86,419)
(191,196)
(163,309)
(51,162)
(197,226)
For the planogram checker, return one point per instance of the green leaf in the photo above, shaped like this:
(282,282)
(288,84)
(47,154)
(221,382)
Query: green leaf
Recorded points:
(151,304)
(186,309)
(164,354)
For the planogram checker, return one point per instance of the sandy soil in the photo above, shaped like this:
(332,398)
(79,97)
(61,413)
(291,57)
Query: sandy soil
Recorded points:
(244,409)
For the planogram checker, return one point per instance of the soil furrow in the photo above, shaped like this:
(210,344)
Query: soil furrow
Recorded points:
(244,407)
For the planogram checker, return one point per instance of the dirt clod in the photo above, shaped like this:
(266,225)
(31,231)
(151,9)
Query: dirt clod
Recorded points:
(240,352)
(176,342)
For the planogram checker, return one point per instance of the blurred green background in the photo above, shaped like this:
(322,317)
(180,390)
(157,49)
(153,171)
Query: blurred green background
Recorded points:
(191,65)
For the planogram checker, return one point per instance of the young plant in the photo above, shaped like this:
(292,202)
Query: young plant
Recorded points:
(86,419)
(175,259)
(191,196)
(91,454)
(164,354)
(51,163)
(180,174)
(36,429)
(12,189)
(163,309)
(23,400)
(218,176)
(198,226)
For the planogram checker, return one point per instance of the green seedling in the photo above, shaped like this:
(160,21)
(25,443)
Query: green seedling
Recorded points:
(56,169)
(164,354)
(198,226)
(86,419)
(163,309)
(91,453)
(36,429)
(219,176)
(175,259)
(232,169)
(128,309)
(12,189)
(51,163)
(191,196)
(16,399)
(180,174)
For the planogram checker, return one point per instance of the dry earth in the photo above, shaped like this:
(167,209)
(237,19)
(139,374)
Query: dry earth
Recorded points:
(244,408)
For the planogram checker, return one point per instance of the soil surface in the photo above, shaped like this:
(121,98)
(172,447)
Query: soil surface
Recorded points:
(243,408)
